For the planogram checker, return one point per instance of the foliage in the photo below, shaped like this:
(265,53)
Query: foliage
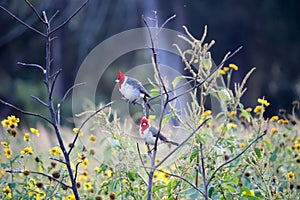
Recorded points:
(235,153)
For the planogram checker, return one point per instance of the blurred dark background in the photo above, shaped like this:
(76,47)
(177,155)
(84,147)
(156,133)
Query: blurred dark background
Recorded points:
(268,30)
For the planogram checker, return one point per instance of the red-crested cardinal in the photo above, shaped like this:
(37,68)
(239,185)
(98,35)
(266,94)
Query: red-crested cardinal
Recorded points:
(132,89)
(149,134)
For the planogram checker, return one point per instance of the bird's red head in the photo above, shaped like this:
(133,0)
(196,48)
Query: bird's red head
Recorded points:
(144,124)
(121,79)
(120,75)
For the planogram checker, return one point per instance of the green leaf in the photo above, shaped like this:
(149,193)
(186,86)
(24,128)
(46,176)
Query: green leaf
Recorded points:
(194,155)
(224,95)
(268,144)
(207,63)
(274,155)
(246,115)
(210,191)
(257,152)
(158,187)
(165,120)
(176,80)
(154,92)
(131,175)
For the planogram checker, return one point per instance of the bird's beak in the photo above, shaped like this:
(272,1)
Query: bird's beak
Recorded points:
(117,81)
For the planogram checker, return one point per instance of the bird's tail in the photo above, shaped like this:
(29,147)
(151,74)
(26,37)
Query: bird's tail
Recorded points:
(172,142)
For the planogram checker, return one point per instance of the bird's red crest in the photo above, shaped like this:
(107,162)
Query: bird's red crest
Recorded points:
(144,124)
(120,75)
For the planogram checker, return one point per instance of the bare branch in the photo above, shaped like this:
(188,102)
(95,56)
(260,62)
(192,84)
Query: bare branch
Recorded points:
(69,90)
(85,121)
(140,156)
(35,11)
(55,159)
(40,173)
(167,21)
(55,76)
(53,16)
(69,18)
(26,112)
(39,100)
(22,22)
(32,65)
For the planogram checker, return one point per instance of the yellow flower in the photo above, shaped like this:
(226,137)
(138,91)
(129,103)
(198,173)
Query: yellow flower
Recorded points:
(8,152)
(55,151)
(7,192)
(274,118)
(87,185)
(93,138)
(225,69)
(40,195)
(35,131)
(221,72)
(258,109)
(108,173)
(290,176)
(283,121)
(250,193)
(26,137)
(27,150)
(207,113)
(75,130)
(233,66)
(6,122)
(13,120)
(297,147)
(5,144)
(263,102)
(70,197)
(297,140)
(85,163)
(274,130)
(232,113)
(231,126)
(161,176)
(242,145)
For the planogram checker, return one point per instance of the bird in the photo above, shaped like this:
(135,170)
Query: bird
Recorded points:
(149,133)
(132,89)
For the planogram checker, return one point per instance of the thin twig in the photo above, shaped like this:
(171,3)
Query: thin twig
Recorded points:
(234,158)
(53,16)
(35,11)
(140,156)
(22,22)
(39,100)
(32,65)
(85,121)
(55,159)
(40,173)
(69,18)
(26,112)
(69,90)
(54,81)
(167,21)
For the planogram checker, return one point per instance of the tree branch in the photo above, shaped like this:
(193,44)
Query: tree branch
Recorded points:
(40,173)
(69,18)
(22,22)
(85,121)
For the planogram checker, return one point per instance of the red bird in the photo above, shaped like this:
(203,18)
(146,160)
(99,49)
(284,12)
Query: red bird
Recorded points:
(149,134)
(132,89)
